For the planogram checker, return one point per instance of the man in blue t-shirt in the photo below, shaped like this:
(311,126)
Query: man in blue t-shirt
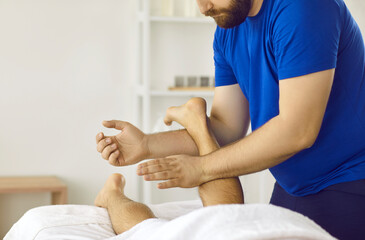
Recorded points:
(296,70)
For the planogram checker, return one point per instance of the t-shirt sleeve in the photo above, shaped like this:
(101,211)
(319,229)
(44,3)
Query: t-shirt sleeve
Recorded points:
(223,72)
(306,37)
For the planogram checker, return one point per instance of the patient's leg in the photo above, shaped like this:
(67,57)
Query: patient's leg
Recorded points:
(192,116)
(124,213)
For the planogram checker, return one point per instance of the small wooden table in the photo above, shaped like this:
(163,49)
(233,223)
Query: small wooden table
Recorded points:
(35,184)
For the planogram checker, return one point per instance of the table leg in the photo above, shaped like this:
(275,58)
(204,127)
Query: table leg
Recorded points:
(59,197)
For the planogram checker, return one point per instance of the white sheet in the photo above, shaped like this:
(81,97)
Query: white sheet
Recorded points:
(179,221)
(81,222)
(78,222)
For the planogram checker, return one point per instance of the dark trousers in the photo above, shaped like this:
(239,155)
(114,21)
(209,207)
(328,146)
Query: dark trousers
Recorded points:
(339,209)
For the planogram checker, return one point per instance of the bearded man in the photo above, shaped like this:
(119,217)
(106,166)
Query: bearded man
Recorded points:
(296,70)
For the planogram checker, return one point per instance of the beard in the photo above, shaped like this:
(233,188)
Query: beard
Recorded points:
(232,16)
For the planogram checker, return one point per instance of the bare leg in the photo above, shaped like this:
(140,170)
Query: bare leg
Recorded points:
(192,116)
(124,213)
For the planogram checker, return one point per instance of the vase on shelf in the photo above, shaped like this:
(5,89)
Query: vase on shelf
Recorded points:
(167,8)
(174,8)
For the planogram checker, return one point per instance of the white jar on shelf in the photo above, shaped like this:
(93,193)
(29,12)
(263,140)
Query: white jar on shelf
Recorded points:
(167,8)
(190,8)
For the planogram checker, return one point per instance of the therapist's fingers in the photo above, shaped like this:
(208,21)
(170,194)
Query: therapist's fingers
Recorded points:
(165,175)
(154,162)
(99,137)
(108,151)
(153,169)
(120,125)
(168,184)
(103,144)
(113,158)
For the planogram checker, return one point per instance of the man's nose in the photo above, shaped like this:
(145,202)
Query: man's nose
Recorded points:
(204,5)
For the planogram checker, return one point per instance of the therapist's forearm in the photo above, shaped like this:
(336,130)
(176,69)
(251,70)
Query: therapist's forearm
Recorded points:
(171,143)
(266,147)
(165,144)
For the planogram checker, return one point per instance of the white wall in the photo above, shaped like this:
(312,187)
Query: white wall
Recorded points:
(357,9)
(64,67)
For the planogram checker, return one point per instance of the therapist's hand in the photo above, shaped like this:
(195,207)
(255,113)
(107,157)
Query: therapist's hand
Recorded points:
(177,171)
(126,148)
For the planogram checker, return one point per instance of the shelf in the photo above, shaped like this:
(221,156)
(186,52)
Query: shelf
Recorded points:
(157,93)
(182,19)
(184,93)
(165,19)
(148,95)
(196,89)
(175,91)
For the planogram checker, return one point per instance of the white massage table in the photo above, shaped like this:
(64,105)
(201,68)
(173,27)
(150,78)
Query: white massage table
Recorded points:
(177,220)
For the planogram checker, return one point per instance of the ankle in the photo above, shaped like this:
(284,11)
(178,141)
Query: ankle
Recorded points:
(199,132)
(113,196)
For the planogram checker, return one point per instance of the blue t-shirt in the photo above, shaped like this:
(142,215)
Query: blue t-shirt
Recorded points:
(291,38)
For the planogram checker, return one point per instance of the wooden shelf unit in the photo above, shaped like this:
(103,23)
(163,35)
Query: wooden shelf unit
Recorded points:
(144,93)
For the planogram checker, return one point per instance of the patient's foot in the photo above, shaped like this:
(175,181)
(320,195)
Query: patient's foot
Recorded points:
(113,188)
(191,115)
(124,213)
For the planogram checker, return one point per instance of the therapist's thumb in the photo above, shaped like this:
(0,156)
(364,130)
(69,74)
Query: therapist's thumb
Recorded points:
(115,124)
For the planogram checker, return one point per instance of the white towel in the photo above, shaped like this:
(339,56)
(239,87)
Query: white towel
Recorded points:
(178,220)
(230,222)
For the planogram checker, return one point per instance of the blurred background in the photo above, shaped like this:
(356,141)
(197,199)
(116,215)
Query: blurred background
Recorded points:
(65,66)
